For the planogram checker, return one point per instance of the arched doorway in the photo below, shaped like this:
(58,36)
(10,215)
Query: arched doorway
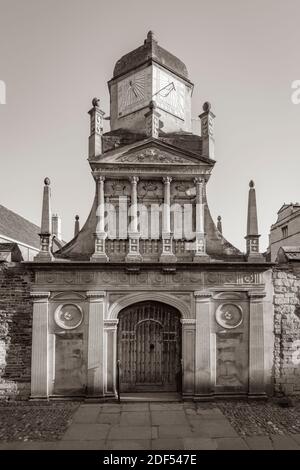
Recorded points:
(149,347)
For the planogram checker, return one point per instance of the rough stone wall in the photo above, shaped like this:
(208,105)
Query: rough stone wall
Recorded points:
(15,331)
(287,331)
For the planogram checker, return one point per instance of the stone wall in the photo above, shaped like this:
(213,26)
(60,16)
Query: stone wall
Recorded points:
(15,331)
(287,331)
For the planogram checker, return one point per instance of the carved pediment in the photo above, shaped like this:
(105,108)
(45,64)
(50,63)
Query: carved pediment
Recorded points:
(153,153)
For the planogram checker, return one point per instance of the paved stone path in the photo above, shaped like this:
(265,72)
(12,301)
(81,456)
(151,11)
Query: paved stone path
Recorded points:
(156,426)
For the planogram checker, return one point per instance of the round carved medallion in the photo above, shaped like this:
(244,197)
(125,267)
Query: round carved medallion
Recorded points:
(229,315)
(68,316)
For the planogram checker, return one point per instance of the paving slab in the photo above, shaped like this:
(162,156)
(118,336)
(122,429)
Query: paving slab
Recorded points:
(259,443)
(296,437)
(82,445)
(167,444)
(231,443)
(129,432)
(174,431)
(86,414)
(166,406)
(129,444)
(86,432)
(135,407)
(284,443)
(199,443)
(169,417)
(30,445)
(108,418)
(213,428)
(133,418)
(111,408)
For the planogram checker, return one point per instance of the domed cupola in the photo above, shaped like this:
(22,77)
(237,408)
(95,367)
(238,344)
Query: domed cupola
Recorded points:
(150,52)
(145,76)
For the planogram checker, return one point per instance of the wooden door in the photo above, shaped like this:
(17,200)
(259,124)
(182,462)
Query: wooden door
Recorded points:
(149,347)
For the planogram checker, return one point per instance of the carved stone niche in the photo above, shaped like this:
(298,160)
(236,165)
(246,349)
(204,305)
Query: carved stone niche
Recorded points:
(151,189)
(117,187)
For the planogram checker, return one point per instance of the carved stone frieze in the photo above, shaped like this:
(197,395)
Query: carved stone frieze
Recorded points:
(196,280)
(151,155)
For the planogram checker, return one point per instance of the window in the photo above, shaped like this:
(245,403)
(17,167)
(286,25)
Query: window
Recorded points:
(284,231)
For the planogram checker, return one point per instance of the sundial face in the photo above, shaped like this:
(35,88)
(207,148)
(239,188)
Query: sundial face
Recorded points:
(134,91)
(168,92)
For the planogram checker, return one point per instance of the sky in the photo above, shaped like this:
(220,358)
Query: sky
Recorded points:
(242,56)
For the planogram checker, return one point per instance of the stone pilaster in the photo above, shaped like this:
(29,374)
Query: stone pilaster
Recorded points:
(96,301)
(133,254)
(40,339)
(256,344)
(167,255)
(203,366)
(188,356)
(110,362)
(100,254)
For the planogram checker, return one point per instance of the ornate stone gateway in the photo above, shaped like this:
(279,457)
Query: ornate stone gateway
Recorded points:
(149,347)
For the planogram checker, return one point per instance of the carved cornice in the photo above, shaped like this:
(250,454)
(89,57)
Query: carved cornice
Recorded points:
(111,324)
(256,296)
(188,321)
(40,296)
(96,295)
(202,295)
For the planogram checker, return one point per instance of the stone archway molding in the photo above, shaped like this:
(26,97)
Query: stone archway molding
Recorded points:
(162,297)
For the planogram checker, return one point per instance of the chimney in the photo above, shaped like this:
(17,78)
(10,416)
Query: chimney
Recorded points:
(56,226)
(45,235)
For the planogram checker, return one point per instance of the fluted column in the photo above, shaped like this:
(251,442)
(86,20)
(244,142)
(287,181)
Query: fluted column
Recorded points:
(40,339)
(110,356)
(100,235)
(188,356)
(167,255)
(96,301)
(133,233)
(200,241)
(256,342)
(203,365)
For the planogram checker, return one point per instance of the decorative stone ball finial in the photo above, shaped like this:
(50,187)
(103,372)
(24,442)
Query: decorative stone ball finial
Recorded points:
(47,181)
(251,184)
(150,37)
(76,217)
(95,102)
(219,218)
(206,106)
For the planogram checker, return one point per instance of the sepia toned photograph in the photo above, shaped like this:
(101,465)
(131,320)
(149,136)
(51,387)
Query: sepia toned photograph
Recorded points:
(149,228)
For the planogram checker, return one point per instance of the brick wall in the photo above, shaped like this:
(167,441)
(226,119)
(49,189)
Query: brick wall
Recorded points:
(287,331)
(15,331)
